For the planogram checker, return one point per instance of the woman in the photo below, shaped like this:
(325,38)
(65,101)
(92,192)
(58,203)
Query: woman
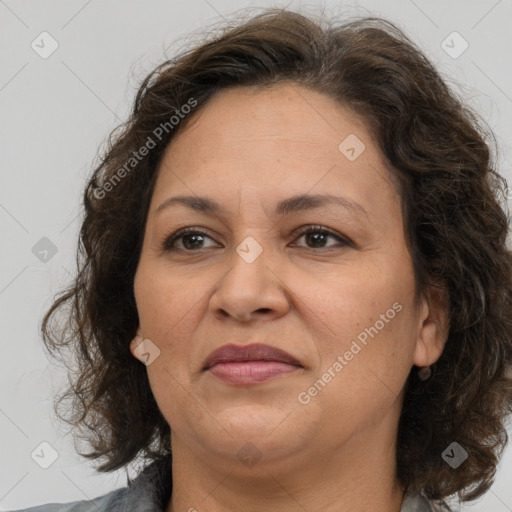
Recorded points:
(294,278)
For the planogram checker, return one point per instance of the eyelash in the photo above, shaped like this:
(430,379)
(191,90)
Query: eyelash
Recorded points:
(167,244)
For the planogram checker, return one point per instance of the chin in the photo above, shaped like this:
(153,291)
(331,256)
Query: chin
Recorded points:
(271,430)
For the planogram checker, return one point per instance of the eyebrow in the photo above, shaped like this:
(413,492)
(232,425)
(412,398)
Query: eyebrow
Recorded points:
(285,207)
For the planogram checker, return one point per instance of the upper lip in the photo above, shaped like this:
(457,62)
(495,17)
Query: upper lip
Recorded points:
(253,352)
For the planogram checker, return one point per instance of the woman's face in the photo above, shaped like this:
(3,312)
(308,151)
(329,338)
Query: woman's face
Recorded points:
(341,303)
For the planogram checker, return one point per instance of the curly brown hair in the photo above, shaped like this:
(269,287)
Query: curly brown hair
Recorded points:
(455,220)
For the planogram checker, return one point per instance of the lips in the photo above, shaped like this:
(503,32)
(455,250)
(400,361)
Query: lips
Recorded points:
(249,365)
(254,352)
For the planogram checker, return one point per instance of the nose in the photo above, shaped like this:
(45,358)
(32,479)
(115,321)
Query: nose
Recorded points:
(251,290)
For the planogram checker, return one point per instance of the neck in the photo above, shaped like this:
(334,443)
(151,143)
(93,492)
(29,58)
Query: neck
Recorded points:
(358,475)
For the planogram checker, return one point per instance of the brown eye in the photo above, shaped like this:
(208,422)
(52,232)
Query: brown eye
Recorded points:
(191,240)
(317,236)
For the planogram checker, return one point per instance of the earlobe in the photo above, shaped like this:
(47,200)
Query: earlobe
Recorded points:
(434,327)
(136,342)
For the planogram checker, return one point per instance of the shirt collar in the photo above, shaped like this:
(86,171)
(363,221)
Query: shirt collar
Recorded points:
(150,491)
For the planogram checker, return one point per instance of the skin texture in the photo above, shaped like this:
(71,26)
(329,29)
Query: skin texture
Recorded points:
(310,296)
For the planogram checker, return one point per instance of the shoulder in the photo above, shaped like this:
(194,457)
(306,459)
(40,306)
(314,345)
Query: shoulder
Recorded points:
(418,503)
(99,504)
(149,492)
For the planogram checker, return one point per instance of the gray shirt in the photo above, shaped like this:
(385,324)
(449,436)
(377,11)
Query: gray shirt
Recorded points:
(151,490)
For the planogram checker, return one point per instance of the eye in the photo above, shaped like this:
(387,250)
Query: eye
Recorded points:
(191,239)
(318,235)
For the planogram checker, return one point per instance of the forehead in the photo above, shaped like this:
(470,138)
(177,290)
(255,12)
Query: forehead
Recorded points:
(284,112)
(285,140)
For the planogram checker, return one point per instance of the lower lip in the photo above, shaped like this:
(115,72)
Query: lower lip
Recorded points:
(250,372)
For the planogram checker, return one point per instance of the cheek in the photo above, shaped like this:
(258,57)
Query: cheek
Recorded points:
(150,288)
(169,312)
(165,315)
(157,302)
(364,367)
(367,318)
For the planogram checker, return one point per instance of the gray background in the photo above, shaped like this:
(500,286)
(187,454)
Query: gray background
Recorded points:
(55,114)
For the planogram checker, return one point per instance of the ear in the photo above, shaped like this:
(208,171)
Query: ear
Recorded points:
(136,342)
(434,326)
